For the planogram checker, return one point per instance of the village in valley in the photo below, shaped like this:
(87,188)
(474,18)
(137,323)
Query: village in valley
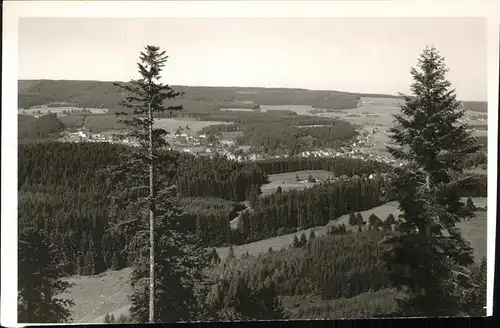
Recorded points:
(164,187)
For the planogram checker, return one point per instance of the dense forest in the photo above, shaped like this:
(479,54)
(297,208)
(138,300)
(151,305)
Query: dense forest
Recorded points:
(339,166)
(31,128)
(345,271)
(62,188)
(99,94)
(292,139)
(353,266)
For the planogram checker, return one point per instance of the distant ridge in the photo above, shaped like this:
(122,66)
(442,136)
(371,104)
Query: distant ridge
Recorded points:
(103,94)
(30,82)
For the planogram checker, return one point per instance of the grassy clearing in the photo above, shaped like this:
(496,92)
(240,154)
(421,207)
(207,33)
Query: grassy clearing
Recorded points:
(94,296)
(288,181)
(474,230)
(381,211)
(480,133)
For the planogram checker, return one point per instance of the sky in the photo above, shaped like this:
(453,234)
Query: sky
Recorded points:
(372,55)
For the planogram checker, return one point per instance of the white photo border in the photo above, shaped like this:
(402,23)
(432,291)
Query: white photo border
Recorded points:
(13,10)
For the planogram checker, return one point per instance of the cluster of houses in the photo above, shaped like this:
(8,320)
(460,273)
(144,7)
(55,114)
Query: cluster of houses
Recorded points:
(353,153)
(85,136)
(200,145)
(183,137)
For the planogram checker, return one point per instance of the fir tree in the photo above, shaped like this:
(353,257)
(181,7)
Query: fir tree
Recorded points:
(359,219)
(303,240)
(373,220)
(295,242)
(179,262)
(312,235)
(433,143)
(163,280)
(214,257)
(109,318)
(390,219)
(39,273)
(470,205)
(352,219)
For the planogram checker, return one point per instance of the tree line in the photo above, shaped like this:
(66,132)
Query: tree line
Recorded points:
(33,128)
(62,190)
(277,137)
(283,213)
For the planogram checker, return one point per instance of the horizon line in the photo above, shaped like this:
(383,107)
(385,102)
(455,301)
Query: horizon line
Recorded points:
(249,87)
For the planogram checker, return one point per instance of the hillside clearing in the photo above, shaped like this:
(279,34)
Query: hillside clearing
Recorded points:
(473,230)
(288,181)
(110,288)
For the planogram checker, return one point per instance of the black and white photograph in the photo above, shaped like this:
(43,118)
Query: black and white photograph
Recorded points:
(231,168)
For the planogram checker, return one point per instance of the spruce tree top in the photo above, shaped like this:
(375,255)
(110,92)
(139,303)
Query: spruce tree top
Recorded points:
(431,128)
(147,93)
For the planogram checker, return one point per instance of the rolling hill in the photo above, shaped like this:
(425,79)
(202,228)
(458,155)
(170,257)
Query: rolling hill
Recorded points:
(103,94)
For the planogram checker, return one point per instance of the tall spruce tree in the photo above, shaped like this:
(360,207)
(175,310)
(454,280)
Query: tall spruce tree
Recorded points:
(39,281)
(430,259)
(163,280)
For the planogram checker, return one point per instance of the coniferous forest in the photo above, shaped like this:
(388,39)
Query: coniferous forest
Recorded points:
(83,209)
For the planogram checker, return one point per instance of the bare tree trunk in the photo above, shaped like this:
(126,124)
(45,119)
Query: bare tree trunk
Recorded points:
(151,219)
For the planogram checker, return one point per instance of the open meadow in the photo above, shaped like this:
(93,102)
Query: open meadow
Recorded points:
(473,230)
(94,296)
(288,181)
